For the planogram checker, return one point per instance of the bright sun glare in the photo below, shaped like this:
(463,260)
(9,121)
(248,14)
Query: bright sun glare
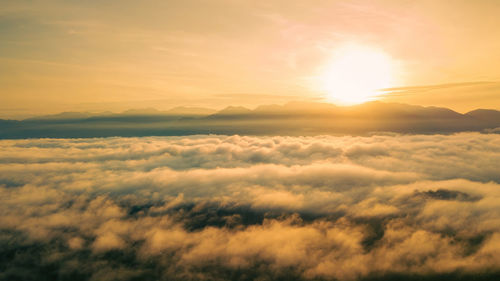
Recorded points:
(355,73)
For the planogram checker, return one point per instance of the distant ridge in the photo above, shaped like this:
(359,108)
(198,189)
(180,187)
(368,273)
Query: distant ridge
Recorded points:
(485,114)
(176,111)
(294,118)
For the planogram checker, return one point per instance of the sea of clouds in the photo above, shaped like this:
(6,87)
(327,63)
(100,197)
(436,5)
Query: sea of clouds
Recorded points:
(251,208)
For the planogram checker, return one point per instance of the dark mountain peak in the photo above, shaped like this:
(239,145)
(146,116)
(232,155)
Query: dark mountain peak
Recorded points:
(176,111)
(484,114)
(378,108)
(143,111)
(294,118)
(191,111)
(63,115)
(234,110)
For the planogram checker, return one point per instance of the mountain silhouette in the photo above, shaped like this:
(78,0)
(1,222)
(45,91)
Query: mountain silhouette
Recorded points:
(294,118)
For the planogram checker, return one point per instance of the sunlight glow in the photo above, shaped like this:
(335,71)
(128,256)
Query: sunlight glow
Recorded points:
(355,73)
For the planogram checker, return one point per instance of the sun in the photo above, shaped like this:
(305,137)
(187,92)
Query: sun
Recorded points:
(355,73)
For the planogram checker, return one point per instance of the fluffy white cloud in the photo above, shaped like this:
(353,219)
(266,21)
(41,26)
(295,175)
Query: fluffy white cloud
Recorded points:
(219,207)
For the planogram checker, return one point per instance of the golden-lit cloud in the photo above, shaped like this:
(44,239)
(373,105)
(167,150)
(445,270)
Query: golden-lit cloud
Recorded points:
(249,140)
(218,207)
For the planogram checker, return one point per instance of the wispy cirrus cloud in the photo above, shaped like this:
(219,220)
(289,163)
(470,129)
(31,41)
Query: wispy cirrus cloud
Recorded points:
(441,94)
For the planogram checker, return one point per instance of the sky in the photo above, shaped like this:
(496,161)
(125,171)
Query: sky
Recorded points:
(292,187)
(115,55)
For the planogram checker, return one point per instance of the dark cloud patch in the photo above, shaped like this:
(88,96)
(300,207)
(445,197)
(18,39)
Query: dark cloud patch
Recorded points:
(492,131)
(444,194)
(205,208)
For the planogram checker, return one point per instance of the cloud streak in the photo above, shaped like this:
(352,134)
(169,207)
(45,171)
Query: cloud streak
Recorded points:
(238,207)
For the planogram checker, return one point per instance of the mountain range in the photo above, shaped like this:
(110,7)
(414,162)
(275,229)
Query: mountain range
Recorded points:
(294,118)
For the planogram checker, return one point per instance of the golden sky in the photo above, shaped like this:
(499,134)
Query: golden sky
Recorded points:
(115,55)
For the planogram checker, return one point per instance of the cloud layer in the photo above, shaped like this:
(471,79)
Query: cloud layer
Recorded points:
(250,208)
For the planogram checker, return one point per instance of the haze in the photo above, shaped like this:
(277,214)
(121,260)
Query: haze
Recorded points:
(115,55)
(188,140)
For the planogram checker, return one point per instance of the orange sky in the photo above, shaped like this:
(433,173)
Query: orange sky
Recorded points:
(115,55)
